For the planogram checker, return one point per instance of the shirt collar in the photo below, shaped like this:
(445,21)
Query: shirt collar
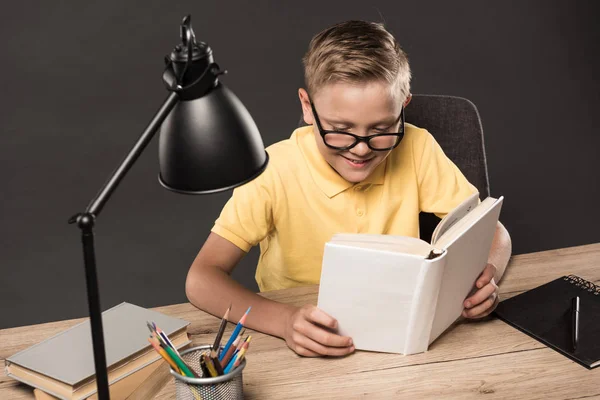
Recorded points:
(325,177)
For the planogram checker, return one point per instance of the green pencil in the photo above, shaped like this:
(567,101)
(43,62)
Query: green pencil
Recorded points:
(180,363)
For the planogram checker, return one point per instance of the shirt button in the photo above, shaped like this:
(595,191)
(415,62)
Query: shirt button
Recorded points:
(357,188)
(360,212)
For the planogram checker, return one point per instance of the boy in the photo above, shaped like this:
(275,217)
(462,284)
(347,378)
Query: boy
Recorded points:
(357,168)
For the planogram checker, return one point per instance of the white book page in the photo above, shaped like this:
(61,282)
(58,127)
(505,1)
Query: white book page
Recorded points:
(463,224)
(400,244)
(454,216)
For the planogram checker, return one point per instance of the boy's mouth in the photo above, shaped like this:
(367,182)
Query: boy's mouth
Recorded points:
(356,163)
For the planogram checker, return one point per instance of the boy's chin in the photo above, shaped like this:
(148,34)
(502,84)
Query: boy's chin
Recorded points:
(354,176)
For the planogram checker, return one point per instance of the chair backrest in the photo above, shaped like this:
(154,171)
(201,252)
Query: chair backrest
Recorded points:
(455,124)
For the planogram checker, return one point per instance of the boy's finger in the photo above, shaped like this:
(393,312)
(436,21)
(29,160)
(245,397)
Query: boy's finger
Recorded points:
(480,295)
(320,317)
(318,348)
(303,351)
(322,336)
(482,309)
(486,276)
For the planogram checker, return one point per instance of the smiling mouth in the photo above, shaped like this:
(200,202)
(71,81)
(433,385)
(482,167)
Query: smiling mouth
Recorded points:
(357,162)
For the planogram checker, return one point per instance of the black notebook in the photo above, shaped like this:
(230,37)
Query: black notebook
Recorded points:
(544,313)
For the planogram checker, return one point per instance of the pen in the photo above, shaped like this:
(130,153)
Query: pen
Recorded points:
(235,333)
(575,321)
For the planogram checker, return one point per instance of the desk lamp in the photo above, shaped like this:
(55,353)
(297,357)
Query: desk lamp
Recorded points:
(208,143)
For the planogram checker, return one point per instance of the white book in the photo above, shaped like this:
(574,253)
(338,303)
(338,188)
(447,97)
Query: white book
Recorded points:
(398,294)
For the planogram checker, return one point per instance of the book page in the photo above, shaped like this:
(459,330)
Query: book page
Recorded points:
(400,244)
(454,216)
(460,225)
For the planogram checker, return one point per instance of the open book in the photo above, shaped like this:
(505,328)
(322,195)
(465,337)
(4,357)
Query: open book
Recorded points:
(398,294)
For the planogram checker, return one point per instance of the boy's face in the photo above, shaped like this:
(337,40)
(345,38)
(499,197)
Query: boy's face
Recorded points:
(362,109)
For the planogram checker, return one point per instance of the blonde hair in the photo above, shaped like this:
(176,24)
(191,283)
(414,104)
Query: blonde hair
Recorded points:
(356,52)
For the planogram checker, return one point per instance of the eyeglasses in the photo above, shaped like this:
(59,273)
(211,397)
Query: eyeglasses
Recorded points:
(345,141)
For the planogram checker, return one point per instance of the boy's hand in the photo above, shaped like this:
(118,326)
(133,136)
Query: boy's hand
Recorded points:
(485,299)
(308,332)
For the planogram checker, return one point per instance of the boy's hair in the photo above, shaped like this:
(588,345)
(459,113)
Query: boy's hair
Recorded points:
(356,51)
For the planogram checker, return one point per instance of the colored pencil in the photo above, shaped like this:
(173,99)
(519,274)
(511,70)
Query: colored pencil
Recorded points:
(161,335)
(221,330)
(164,355)
(232,349)
(203,367)
(187,371)
(238,359)
(166,339)
(235,333)
(215,360)
(210,366)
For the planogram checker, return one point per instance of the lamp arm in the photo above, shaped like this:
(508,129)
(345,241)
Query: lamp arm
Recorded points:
(85,222)
(96,205)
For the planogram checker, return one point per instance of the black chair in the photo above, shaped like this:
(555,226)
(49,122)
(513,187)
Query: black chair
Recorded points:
(454,122)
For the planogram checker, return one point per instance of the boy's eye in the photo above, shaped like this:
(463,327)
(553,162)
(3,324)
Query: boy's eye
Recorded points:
(341,129)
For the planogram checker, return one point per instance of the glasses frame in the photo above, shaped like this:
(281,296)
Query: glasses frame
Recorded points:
(358,139)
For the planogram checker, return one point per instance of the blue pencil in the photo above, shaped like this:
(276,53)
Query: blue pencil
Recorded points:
(236,332)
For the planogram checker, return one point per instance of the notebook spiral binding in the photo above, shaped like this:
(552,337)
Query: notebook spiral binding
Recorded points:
(585,285)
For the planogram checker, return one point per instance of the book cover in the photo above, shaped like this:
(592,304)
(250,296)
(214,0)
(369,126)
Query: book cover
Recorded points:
(67,360)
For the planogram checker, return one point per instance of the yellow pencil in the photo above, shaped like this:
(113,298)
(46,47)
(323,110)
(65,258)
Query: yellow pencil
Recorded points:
(210,365)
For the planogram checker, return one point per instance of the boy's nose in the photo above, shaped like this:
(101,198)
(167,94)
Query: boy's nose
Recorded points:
(360,149)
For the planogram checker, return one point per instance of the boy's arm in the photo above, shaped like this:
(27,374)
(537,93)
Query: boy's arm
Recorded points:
(500,251)
(210,287)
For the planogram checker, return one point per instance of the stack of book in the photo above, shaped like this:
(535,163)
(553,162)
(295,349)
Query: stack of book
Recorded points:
(63,365)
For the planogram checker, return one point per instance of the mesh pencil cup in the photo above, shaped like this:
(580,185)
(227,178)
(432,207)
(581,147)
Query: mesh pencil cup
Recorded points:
(225,387)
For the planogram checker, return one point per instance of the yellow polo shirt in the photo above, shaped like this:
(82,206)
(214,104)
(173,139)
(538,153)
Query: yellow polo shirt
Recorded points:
(299,202)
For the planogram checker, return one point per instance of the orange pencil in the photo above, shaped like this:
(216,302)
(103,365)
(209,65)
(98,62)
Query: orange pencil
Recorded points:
(164,354)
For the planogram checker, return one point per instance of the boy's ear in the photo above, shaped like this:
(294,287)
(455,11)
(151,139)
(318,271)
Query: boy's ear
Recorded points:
(408,99)
(306,109)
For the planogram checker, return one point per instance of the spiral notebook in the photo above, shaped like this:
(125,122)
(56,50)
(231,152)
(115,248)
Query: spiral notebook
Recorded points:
(544,313)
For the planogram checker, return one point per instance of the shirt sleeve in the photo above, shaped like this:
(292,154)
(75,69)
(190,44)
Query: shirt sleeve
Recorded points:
(247,217)
(442,186)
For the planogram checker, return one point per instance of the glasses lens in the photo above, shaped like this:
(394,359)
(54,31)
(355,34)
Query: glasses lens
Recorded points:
(384,142)
(338,139)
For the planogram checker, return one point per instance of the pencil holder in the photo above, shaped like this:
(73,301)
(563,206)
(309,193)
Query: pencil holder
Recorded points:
(225,387)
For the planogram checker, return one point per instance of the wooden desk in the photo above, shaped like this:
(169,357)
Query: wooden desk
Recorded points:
(472,359)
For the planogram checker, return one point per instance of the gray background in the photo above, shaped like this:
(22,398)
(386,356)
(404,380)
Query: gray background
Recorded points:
(80,81)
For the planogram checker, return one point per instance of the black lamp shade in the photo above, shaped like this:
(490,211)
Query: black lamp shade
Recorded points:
(210,144)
